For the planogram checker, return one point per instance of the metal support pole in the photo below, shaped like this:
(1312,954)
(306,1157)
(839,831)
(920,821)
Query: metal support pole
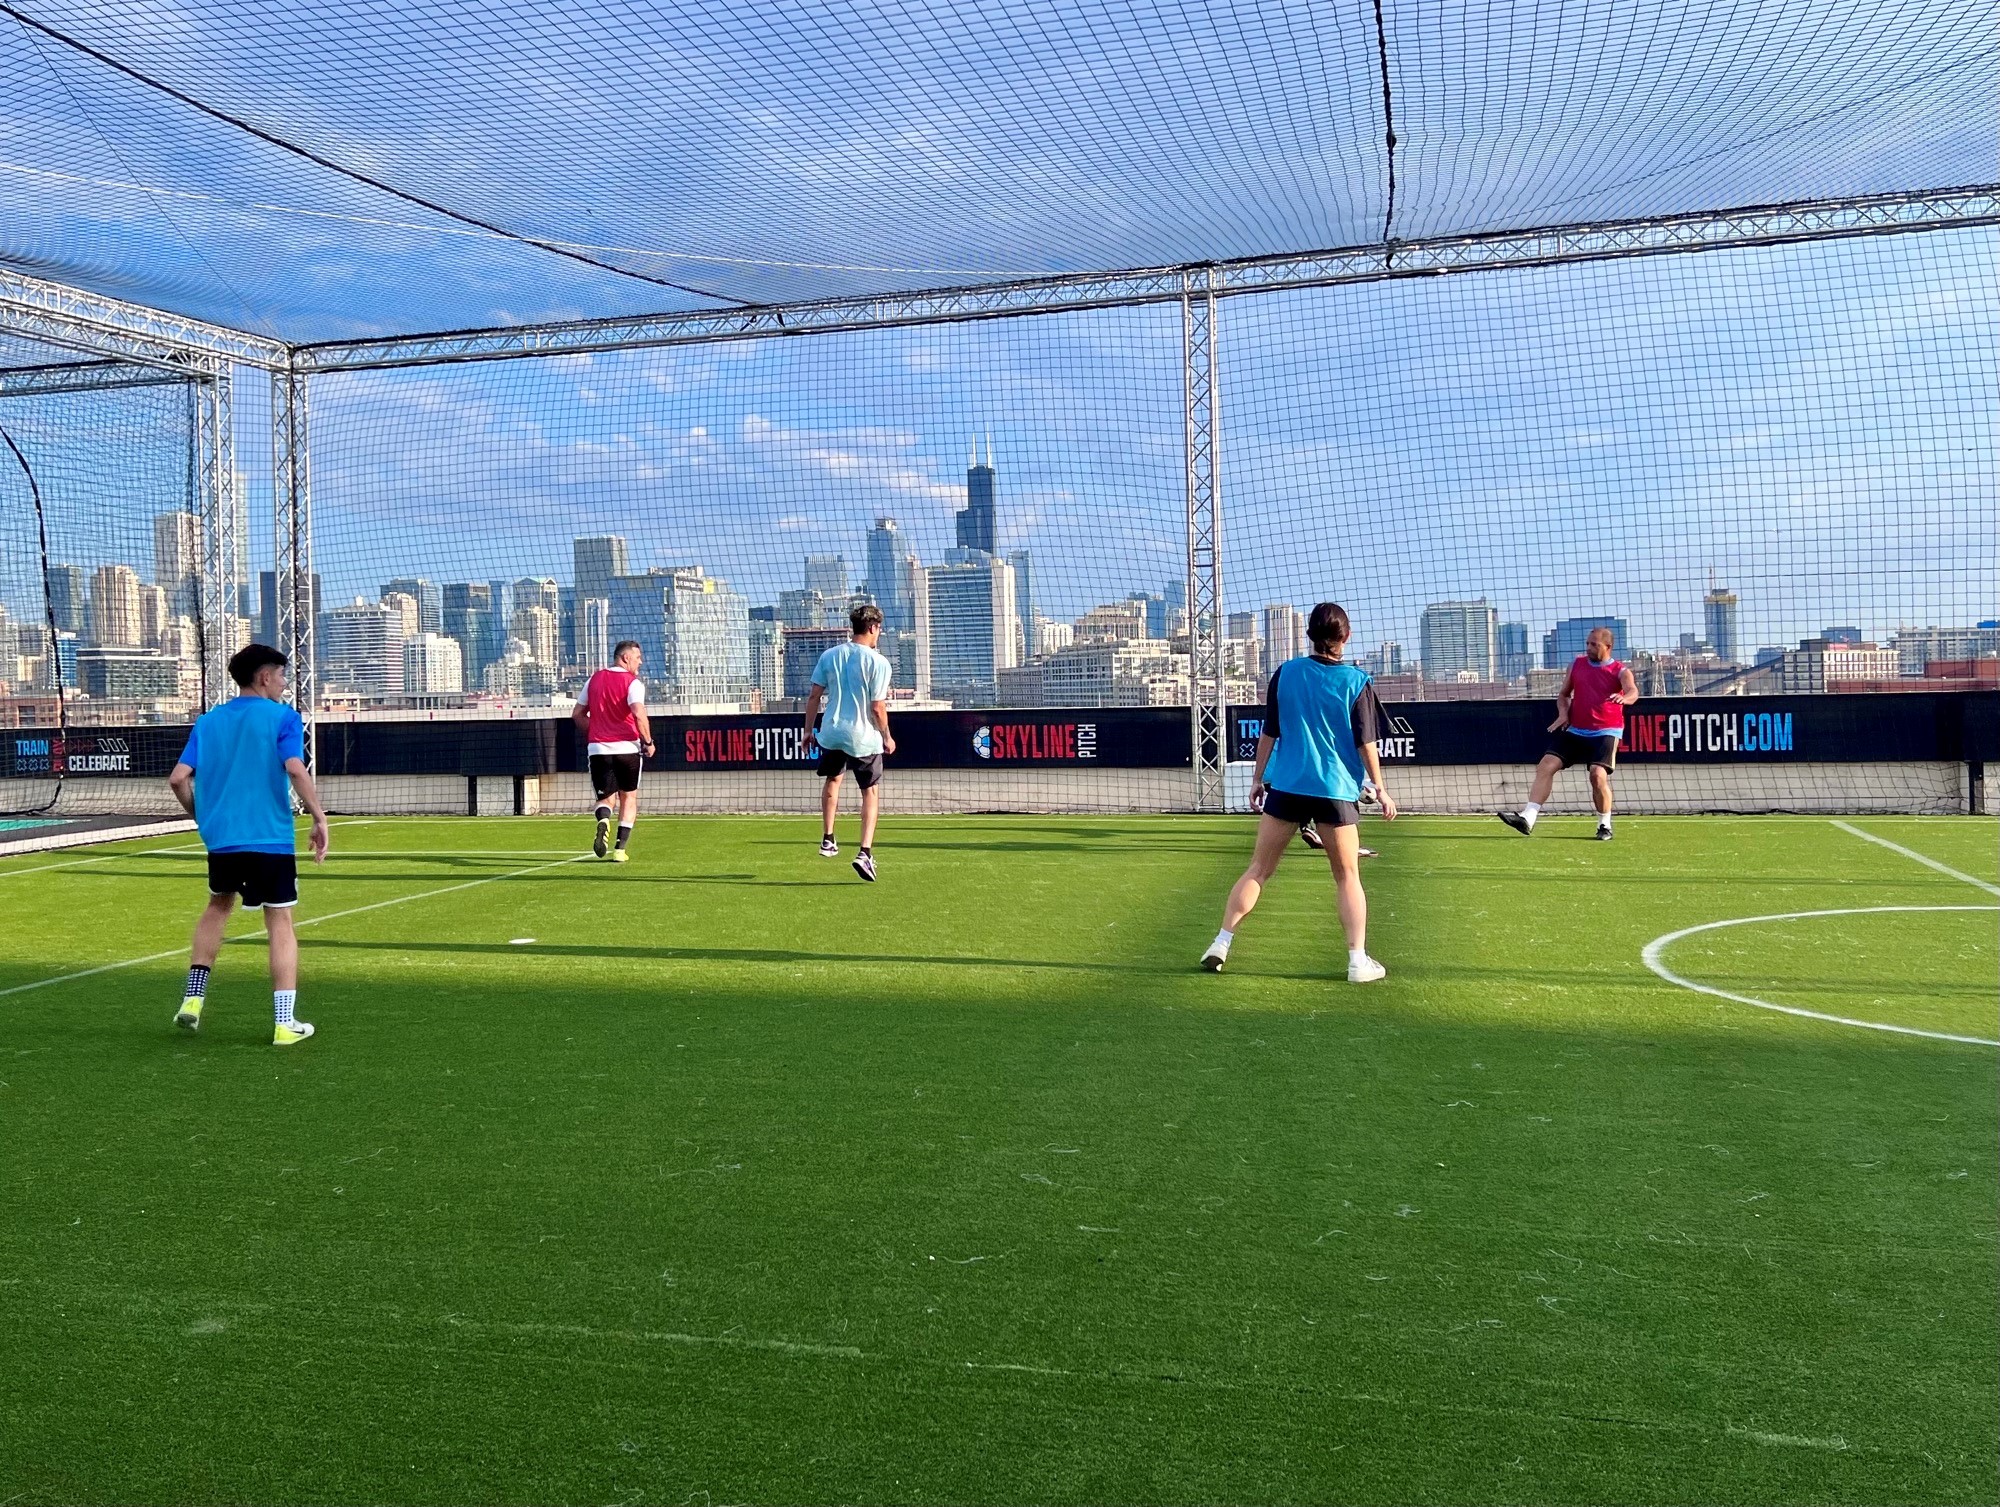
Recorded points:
(1208,699)
(215,460)
(297,602)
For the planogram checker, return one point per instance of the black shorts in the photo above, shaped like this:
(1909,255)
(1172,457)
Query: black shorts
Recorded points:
(834,762)
(1320,809)
(612,773)
(1573,748)
(260,878)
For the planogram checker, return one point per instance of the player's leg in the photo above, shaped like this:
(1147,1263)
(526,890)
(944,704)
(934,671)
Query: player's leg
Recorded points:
(829,809)
(868,776)
(278,892)
(1274,834)
(1343,853)
(1538,792)
(628,805)
(603,787)
(202,952)
(1600,797)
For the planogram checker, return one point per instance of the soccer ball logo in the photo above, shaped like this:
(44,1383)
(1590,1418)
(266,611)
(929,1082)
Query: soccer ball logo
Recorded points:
(982,742)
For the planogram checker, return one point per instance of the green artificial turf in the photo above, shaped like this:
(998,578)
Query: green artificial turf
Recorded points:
(745,1181)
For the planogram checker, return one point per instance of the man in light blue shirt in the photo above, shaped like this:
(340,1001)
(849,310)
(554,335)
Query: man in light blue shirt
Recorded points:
(236,777)
(852,683)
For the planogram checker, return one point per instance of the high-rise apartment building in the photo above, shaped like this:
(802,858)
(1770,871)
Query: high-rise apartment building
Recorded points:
(829,576)
(67,599)
(467,614)
(361,649)
(1460,640)
(114,606)
(425,593)
(539,628)
(432,666)
(1515,657)
(767,654)
(177,562)
(693,630)
(891,574)
(593,632)
(1284,633)
(405,607)
(973,626)
(800,653)
(597,561)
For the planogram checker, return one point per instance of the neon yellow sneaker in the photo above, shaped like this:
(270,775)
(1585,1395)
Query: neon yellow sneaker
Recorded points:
(291,1035)
(619,855)
(189,1017)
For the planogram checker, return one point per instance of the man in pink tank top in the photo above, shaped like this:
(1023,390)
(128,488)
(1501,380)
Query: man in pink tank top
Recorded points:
(612,715)
(1590,719)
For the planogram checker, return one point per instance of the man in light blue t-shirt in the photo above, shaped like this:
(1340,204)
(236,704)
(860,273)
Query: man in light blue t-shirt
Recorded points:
(236,777)
(852,683)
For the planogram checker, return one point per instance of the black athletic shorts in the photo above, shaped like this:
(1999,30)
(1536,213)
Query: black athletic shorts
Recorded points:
(611,773)
(260,878)
(1327,812)
(1574,748)
(833,762)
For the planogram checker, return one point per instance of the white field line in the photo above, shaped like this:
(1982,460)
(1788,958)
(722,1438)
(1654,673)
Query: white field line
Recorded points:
(154,957)
(1927,862)
(1651,957)
(77,863)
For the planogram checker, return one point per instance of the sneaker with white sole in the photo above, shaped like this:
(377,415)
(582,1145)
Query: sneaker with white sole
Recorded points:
(189,1016)
(1367,971)
(1309,835)
(828,848)
(291,1035)
(602,841)
(865,867)
(1214,958)
(1517,821)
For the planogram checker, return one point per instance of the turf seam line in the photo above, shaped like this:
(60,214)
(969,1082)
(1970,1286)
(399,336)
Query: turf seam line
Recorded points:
(154,957)
(1927,862)
(1650,956)
(77,863)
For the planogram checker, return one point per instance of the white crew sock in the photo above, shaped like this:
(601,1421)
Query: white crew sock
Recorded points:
(1222,940)
(1356,956)
(283,1001)
(1604,820)
(1530,811)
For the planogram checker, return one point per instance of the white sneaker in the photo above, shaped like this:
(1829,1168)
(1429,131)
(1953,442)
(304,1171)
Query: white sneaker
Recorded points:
(1366,971)
(291,1035)
(1214,958)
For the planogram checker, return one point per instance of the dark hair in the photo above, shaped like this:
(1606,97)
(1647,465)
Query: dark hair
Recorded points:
(865,617)
(246,662)
(618,649)
(1328,625)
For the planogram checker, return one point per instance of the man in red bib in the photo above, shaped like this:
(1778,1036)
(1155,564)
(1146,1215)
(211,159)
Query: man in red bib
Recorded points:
(612,715)
(1590,719)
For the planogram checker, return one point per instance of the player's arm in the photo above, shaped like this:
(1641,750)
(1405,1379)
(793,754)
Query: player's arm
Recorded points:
(813,699)
(308,793)
(1562,702)
(580,713)
(645,726)
(181,782)
(1628,688)
(879,710)
(1267,739)
(1366,723)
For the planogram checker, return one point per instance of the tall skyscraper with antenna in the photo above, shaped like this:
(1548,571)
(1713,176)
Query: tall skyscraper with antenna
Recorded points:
(976,529)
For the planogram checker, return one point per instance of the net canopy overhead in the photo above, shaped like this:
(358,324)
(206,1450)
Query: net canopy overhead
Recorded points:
(314,171)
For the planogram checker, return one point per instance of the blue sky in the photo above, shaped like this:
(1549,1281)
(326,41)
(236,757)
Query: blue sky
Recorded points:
(1816,423)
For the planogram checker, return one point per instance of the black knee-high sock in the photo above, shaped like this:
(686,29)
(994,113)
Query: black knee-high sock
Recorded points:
(624,835)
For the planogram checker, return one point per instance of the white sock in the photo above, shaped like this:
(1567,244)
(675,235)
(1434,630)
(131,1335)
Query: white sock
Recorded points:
(283,1001)
(1530,811)
(1604,820)
(1356,956)
(1222,940)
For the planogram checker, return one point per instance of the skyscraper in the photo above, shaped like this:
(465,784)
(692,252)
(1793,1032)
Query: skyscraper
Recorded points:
(114,606)
(429,600)
(1024,604)
(693,630)
(829,576)
(1718,620)
(1562,643)
(432,666)
(1284,633)
(1460,640)
(1515,658)
(889,577)
(976,520)
(593,632)
(177,561)
(361,649)
(767,653)
(597,561)
(467,615)
(66,597)
(973,626)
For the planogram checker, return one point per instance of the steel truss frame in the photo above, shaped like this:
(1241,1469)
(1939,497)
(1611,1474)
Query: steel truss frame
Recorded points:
(131,339)
(1208,696)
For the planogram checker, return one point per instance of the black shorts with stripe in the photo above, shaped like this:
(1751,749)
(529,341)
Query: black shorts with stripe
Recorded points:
(1599,750)
(612,774)
(261,879)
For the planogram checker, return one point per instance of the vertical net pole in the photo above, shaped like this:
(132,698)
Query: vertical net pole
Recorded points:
(1207,694)
(215,458)
(296,600)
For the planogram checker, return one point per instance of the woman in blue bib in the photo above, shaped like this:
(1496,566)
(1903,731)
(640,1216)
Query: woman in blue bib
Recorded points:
(1321,722)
